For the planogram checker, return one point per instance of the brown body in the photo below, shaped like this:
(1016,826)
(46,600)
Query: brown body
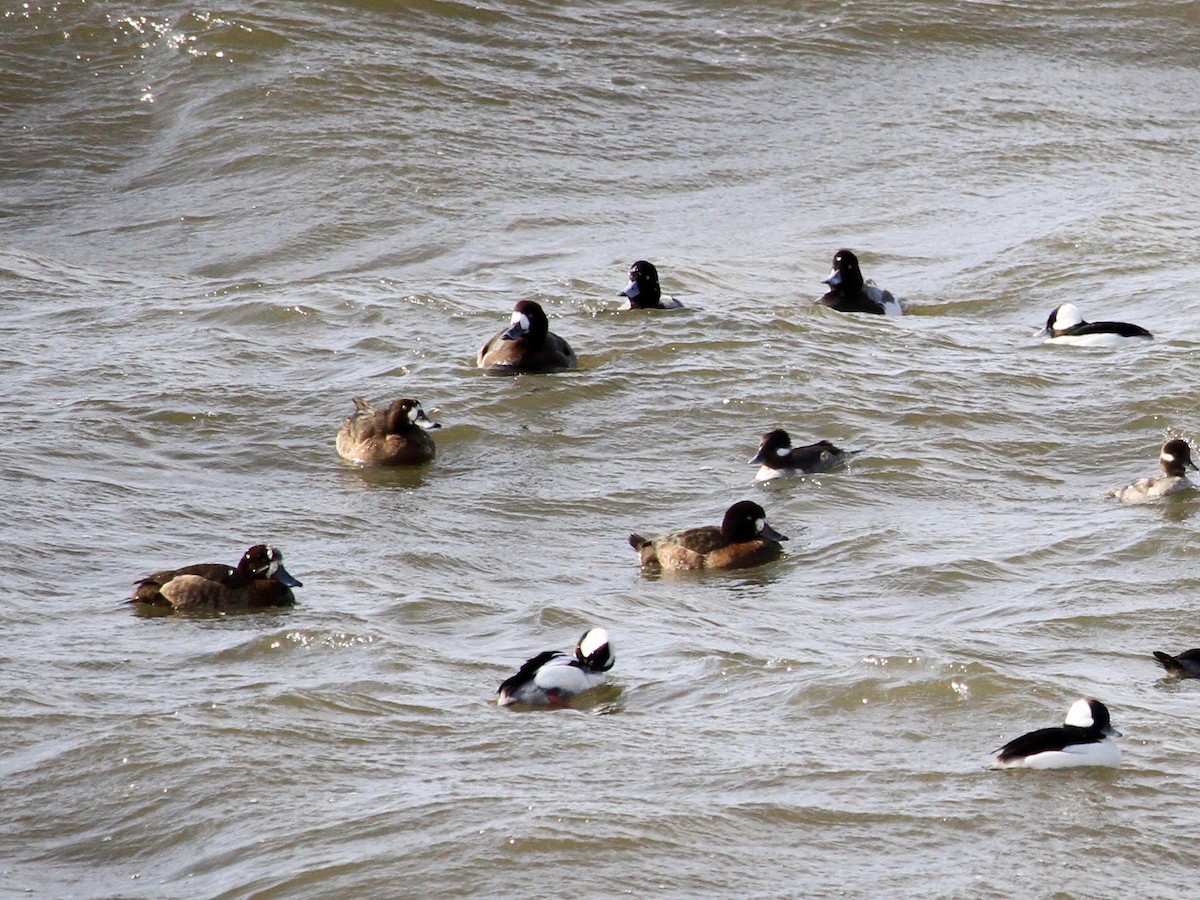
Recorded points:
(528,345)
(387,437)
(743,539)
(258,581)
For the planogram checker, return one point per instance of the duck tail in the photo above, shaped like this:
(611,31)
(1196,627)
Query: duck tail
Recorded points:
(1168,662)
(637,542)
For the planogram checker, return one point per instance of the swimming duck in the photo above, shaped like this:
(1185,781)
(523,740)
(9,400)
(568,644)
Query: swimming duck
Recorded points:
(1084,739)
(1066,326)
(387,437)
(849,292)
(1175,459)
(777,458)
(258,581)
(1185,665)
(743,539)
(643,289)
(527,345)
(552,677)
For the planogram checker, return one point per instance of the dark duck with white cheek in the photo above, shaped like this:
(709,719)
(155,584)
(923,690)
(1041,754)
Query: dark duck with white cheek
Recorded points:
(527,345)
(644,291)
(743,539)
(777,458)
(258,581)
(387,437)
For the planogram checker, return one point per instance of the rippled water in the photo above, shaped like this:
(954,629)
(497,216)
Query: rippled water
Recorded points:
(216,227)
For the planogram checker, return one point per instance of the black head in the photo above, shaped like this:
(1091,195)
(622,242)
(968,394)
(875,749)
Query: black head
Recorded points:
(263,561)
(643,289)
(1176,457)
(845,275)
(528,321)
(772,442)
(747,521)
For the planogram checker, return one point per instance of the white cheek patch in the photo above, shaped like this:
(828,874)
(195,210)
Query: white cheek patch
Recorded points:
(521,320)
(414,413)
(758,525)
(1167,457)
(782,452)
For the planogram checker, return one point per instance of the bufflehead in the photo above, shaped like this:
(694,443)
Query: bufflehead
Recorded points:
(848,292)
(552,677)
(1066,326)
(742,540)
(1185,665)
(643,290)
(777,457)
(258,581)
(527,345)
(1175,458)
(387,437)
(1084,739)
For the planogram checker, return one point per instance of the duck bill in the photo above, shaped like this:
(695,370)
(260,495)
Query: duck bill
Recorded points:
(757,459)
(834,279)
(423,421)
(281,575)
(514,333)
(1112,732)
(770,533)
(631,290)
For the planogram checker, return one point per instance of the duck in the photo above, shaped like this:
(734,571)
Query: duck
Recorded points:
(777,458)
(258,581)
(552,677)
(743,539)
(849,292)
(1084,739)
(527,345)
(1175,459)
(387,437)
(1185,665)
(1066,326)
(643,289)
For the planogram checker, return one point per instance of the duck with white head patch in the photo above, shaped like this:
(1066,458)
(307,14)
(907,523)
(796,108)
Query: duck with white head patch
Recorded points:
(1175,459)
(1066,326)
(743,539)
(850,292)
(777,458)
(258,581)
(1084,739)
(387,437)
(527,345)
(644,291)
(552,677)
